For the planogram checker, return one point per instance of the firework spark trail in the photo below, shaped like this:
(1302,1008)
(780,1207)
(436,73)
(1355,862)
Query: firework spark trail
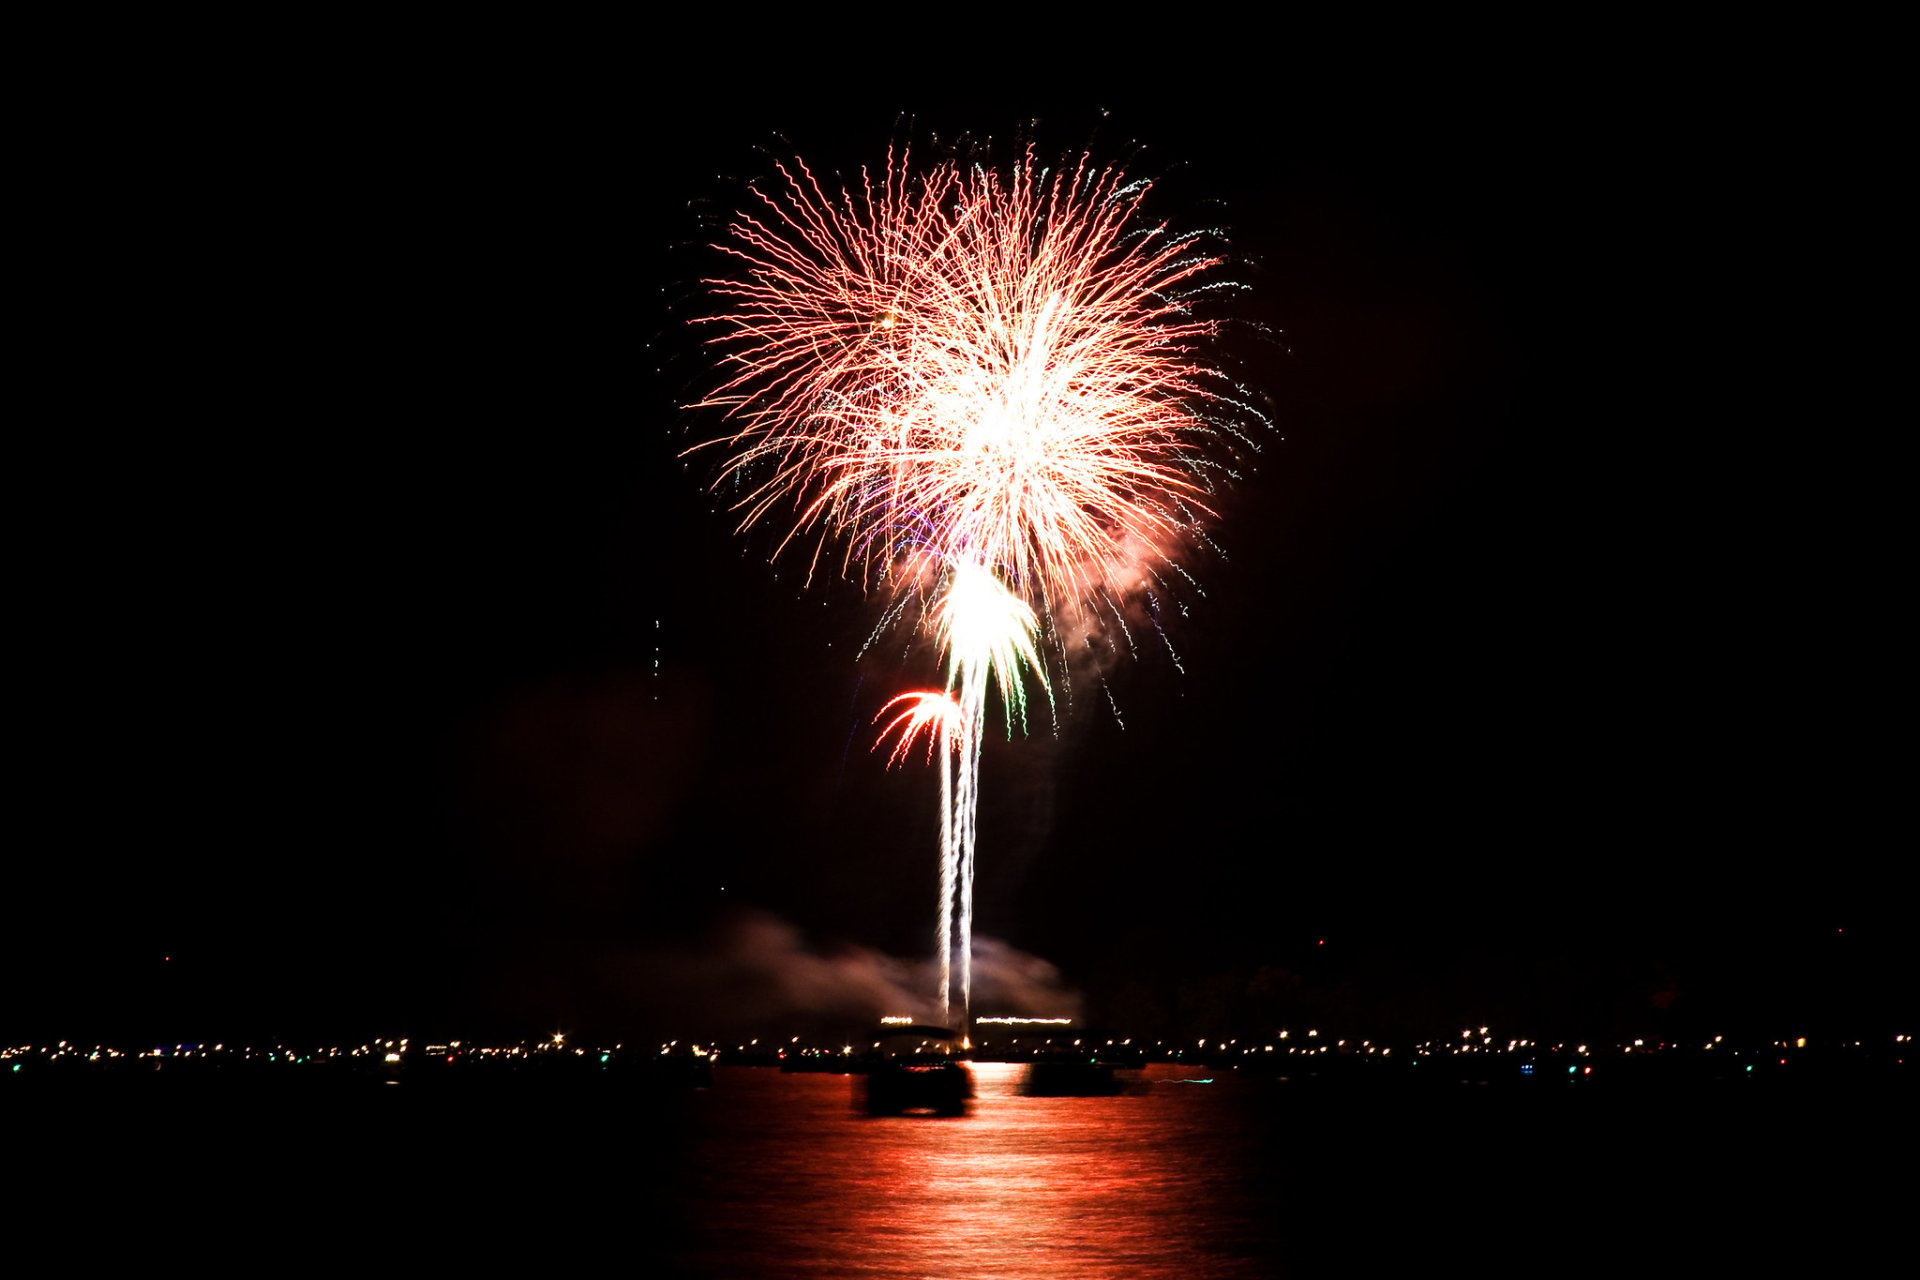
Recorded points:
(987,633)
(937,715)
(987,389)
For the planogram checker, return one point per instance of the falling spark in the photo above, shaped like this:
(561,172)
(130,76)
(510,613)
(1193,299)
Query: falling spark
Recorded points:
(936,715)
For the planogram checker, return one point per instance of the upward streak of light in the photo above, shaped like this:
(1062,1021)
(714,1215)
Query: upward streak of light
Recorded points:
(986,631)
(937,715)
(982,389)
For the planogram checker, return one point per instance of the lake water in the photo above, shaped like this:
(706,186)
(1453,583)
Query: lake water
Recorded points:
(1196,1175)
(790,1179)
(772,1175)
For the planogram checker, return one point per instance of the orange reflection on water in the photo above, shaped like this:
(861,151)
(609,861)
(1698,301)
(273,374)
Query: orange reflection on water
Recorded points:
(1146,1184)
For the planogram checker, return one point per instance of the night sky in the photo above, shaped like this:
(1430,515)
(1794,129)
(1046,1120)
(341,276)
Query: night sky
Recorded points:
(1546,675)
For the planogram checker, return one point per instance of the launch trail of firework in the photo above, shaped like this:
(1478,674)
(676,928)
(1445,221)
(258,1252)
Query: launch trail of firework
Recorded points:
(984,391)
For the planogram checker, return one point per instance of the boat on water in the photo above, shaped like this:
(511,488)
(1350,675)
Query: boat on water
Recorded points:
(1070,1078)
(915,1070)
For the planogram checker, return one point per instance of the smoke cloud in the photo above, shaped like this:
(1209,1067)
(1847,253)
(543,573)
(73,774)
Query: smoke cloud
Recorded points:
(759,975)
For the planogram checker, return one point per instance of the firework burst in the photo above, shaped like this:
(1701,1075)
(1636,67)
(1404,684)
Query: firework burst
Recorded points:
(984,389)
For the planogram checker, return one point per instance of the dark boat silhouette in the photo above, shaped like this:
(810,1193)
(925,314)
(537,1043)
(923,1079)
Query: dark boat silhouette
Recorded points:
(915,1069)
(1070,1078)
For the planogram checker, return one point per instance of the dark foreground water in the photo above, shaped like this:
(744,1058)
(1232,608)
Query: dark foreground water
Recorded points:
(774,1175)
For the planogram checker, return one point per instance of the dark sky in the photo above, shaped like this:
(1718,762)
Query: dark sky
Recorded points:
(1546,673)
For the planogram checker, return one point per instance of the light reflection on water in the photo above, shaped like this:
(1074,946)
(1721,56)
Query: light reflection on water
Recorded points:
(787,1178)
(770,1175)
